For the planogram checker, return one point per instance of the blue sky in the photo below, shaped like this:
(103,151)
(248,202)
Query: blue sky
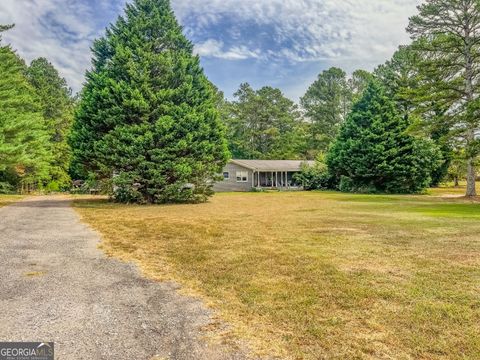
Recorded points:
(282,43)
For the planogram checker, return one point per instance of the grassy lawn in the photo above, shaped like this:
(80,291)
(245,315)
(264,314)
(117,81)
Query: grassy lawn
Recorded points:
(8,199)
(318,275)
(450,190)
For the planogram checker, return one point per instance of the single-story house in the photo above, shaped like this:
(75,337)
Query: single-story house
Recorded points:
(245,175)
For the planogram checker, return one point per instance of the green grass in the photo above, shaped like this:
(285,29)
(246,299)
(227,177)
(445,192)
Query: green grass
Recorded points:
(317,275)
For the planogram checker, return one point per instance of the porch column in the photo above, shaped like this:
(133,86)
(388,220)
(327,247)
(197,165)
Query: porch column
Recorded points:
(258,179)
(276,179)
(253,179)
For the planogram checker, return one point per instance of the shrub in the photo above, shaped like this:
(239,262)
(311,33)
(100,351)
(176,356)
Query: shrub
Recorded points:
(346,184)
(315,177)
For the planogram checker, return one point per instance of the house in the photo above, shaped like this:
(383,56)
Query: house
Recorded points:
(244,175)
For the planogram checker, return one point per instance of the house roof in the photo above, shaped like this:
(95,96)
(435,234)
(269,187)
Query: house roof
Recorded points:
(272,165)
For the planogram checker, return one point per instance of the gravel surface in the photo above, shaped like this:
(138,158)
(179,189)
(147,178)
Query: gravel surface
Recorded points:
(55,285)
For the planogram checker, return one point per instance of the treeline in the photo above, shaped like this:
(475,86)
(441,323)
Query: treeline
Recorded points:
(150,127)
(264,124)
(36,113)
(411,123)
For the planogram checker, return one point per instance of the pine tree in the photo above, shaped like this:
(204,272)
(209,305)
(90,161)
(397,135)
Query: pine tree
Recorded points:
(24,154)
(447,42)
(326,104)
(57,107)
(147,117)
(374,152)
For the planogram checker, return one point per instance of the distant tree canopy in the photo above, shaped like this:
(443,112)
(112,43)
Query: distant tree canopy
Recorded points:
(147,117)
(24,148)
(327,103)
(57,107)
(263,124)
(374,153)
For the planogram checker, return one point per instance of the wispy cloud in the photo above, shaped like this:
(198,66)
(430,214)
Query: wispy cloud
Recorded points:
(302,30)
(216,48)
(279,42)
(61,30)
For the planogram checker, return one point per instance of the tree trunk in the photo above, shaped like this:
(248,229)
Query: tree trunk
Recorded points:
(457,184)
(471,178)
(471,174)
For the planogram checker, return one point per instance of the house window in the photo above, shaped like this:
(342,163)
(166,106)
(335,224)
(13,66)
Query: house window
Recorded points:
(226,175)
(242,176)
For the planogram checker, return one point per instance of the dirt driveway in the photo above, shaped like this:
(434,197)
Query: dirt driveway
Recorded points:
(56,286)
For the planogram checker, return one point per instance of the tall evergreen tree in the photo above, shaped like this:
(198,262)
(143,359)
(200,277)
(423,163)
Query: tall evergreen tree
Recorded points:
(147,116)
(24,153)
(264,124)
(57,107)
(447,41)
(400,79)
(402,82)
(374,152)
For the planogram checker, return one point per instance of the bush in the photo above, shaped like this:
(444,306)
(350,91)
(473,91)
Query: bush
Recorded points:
(6,188)
(346,184)
(52,186)
(315,177)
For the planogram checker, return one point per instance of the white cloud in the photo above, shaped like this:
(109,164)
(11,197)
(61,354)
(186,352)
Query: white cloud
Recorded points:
(60,30)
(215,48)
(319,29)
(349,33)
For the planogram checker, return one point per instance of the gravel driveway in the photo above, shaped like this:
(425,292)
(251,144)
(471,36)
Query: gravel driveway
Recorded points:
(56,286)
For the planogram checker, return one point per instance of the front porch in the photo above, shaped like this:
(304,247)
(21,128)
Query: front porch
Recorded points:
(274,180)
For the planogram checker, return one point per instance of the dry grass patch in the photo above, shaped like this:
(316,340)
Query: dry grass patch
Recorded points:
(9,199)
(35,273)
(317,275)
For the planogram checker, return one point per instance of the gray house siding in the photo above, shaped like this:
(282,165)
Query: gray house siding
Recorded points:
(231,184)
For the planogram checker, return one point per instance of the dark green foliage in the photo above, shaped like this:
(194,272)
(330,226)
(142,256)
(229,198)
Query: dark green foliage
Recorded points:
(347,184)
(263,124)
(375,153)
(57,108)
(440,136)
(147,117)
(402,82)
(24,151)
